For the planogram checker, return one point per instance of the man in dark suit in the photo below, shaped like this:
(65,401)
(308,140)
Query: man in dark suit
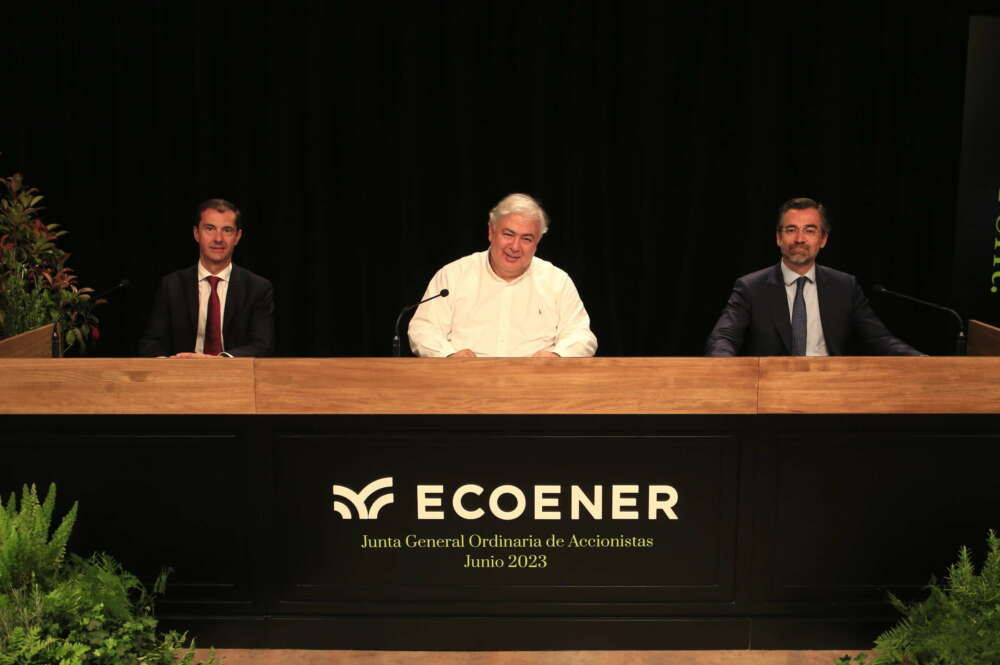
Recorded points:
(798,307)
(214,308)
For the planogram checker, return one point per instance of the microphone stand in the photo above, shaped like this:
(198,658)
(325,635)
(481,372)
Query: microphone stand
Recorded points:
(960,340)
(395,337)
(124,284)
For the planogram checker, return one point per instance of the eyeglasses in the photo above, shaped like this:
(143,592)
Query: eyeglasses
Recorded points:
(791,230)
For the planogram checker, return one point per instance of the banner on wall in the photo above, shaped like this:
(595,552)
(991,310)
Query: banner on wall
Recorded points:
(976,283)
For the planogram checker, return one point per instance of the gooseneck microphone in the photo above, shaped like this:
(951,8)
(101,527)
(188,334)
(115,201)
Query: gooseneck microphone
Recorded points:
(959,340)
(395,337)
(124,284)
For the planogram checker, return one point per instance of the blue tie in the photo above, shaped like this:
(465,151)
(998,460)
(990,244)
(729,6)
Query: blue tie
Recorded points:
(799,319)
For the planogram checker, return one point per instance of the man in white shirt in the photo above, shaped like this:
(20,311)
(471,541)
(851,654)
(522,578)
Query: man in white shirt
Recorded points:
(800,308)
(505,301)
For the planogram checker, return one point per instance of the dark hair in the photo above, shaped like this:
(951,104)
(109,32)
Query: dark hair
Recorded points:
(803,203)
(219,205)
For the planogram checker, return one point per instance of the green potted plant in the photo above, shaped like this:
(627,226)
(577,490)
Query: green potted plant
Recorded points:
(71,610)
(36,285)
(957,624)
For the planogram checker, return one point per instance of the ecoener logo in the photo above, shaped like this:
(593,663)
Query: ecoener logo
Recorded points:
(360,500)
(548,501)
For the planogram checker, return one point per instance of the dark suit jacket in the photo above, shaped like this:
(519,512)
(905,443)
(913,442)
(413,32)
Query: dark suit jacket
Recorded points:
(247,323)
(755,321)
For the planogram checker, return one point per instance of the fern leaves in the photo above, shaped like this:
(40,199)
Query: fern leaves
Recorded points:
(957,624)
(27,552)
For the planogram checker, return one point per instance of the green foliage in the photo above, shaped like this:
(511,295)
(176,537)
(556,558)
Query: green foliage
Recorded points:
(860,659)
(27,554)
(71,610)
(26,306)
(36,286)
(958,623)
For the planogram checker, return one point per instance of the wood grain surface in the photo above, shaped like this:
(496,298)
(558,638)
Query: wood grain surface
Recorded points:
(500,386)
(984,339)
(35,343)
(506,385)
(677,657)
(126,385)
(879,385)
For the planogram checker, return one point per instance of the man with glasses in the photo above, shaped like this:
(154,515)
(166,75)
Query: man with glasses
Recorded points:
(799,308)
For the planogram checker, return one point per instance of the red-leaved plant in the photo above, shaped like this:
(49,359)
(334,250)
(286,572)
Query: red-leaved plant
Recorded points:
(36,286)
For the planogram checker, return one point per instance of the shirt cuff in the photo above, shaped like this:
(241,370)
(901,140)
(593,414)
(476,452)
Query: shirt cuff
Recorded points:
(564,350)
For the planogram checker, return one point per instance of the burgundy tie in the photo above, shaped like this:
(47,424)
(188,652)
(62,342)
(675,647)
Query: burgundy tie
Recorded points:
(213,322)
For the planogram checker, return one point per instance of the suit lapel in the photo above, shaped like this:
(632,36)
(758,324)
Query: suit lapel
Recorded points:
(191,298)
(828,305)
(233,293)
(778,298)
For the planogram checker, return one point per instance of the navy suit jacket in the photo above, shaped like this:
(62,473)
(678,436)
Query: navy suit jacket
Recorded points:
(756,322)
(247,322)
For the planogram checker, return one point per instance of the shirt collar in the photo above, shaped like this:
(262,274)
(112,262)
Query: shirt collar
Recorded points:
(223,275)
(493,275)
(789,276)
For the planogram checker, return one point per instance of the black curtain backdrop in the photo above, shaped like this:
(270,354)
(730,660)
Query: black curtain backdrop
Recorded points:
(977,230)
(366,142)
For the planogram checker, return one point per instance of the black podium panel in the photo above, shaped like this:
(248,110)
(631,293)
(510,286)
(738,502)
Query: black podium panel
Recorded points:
(872,505)
(522,532)
(509,518)
(153,492)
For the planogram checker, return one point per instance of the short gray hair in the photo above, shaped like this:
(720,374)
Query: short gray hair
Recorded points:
(520,204)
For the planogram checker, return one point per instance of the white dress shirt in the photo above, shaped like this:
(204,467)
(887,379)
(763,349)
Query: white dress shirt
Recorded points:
(539,311)
(815,342)
(204,292)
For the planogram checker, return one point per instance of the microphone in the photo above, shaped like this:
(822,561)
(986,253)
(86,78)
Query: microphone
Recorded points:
(395,337)
(959,341)
(124,284)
